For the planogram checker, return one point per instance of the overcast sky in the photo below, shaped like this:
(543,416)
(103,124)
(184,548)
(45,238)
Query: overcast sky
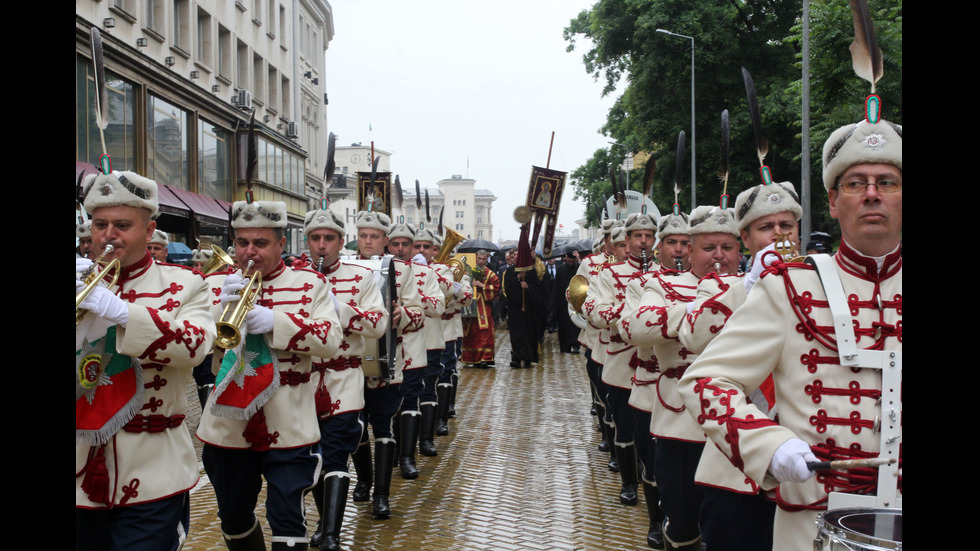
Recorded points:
(466,87)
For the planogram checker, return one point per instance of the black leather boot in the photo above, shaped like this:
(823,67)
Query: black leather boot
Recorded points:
(362,466)
(409,427)
(384,453)
(317,538)
(335,486)
(655,536)
(427,429)
(203,393)
(442,411)
(626,455)
(253,540)
(452,395)
(289,544)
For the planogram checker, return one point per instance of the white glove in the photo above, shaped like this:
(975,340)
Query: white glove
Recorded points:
(230,288)
(758,265)
(336,303)
(259,320)
(82,264)
(457,286)
(789,462)
(104,303)
(690,307)
(419,259)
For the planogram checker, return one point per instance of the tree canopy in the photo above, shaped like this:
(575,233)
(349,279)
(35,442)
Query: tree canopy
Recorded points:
(651,71)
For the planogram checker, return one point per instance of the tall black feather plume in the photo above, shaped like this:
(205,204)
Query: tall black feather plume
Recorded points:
(439,225)
(649,169)
(679,172)
(398,199)
(723,168)
(761,143)
(331,164)
(418,198)
(101,92)
(252,154)
(428,215)
(865,53)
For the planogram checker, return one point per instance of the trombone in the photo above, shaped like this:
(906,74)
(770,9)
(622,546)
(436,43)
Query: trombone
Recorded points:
(233,316)
(92,276)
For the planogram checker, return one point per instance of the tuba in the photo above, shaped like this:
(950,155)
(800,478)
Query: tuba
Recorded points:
(449,243)
(219,259)
(578,288)
(233,315)
(92,276)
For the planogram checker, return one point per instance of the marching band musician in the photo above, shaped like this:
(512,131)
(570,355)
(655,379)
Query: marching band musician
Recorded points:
(588,338)
(339,380)
(654,324)
(735,513)
(261,419)
(602,306)
(419,387)
(643,393)
(83,232)
(382,399)
(460,296)
(829,361)
(158,246)
(136,345)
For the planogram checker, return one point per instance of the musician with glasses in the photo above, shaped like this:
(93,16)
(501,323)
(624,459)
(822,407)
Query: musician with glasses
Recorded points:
(339,380)
(829,331)
(261,418)
(136,347)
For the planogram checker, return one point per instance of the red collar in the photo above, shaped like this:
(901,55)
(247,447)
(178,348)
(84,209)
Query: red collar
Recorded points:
(867,267)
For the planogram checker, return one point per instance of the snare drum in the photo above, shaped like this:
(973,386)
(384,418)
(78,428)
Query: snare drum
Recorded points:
(858,529)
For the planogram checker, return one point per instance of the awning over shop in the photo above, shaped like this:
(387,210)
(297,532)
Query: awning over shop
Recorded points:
(171,204)
(205,209)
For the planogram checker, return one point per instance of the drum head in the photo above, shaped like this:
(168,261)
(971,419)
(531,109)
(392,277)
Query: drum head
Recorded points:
(878,528)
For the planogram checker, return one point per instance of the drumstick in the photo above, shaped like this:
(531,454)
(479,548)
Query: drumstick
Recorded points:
(843,464)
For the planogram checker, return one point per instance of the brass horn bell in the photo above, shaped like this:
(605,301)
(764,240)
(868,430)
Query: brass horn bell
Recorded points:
(233,316)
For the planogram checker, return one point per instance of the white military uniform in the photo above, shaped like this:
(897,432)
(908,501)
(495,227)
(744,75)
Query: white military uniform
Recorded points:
(306,326)
(169,331)
(364,319)
(785,328)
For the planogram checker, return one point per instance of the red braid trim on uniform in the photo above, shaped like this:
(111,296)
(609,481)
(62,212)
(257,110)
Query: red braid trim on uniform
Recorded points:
(702,387)
(319,329)
(191,336)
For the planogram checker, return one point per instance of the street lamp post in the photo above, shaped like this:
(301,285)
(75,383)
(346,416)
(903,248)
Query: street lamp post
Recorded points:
(694,187)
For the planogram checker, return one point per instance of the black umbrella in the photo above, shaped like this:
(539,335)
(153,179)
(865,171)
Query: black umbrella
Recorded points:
(474,245)
(581,245)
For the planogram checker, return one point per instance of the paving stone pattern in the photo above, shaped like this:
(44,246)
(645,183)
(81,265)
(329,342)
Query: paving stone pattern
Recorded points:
(519,471)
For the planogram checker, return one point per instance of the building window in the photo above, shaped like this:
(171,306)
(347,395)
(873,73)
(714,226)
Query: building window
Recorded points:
(274,85)
(120,131)
(258,72)
(280,168)
(243,65)
(214,161)
(225,60)
(284,98)
(166,137)
(153,18)
(205,47)
(182,23)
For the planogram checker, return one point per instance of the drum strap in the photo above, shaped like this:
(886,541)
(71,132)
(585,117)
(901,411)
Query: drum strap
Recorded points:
(889,362)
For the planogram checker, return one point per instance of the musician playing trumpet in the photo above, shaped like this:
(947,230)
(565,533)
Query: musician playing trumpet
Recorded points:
(261,419)
(136,345)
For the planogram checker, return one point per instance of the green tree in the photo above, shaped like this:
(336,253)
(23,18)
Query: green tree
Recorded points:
(653,72)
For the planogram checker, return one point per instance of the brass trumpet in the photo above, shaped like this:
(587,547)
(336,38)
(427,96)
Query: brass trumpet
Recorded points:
(92,276)
(233,315)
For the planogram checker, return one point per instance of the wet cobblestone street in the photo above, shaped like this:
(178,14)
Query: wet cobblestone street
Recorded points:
(520,470)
